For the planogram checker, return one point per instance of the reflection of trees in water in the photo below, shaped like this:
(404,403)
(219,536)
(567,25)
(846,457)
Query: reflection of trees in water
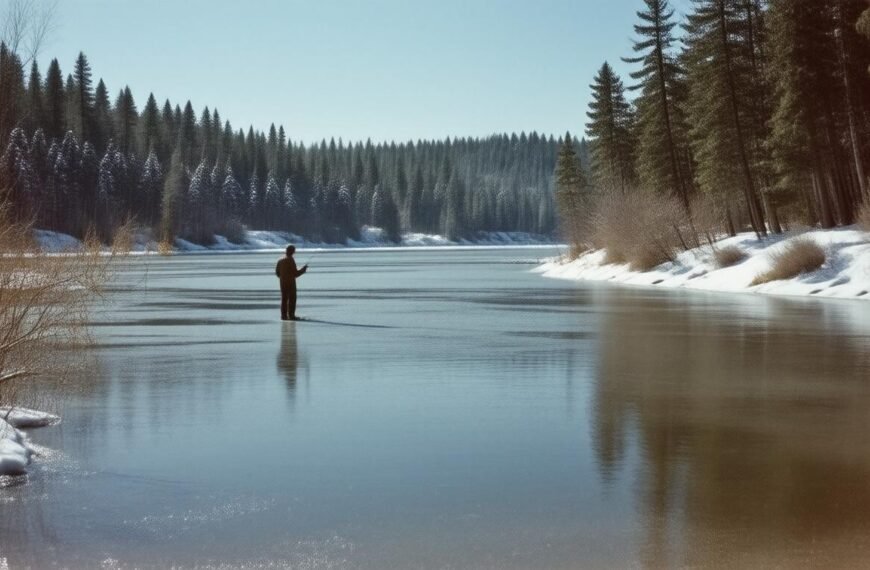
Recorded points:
(751,433)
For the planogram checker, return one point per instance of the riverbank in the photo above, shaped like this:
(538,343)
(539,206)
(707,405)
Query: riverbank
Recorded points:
(260,240)
(845,273)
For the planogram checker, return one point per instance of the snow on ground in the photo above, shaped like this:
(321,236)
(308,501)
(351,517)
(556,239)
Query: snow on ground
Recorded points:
(55,242)
(27,418)
(15,450)
(845,274)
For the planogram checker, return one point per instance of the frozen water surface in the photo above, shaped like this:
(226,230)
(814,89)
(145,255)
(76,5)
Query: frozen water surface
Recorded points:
(450,409)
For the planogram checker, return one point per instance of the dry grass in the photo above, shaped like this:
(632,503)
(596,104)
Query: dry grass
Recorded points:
(798,255)
(45,301)
(641,229)
(728,256)
(164,247)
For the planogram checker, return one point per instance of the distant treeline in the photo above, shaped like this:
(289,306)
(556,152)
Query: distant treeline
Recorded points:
(757,111)
(73,160)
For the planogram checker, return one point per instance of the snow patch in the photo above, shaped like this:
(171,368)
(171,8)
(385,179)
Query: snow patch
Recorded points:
(55,242)
(27,418)
(845,274)
(16,452)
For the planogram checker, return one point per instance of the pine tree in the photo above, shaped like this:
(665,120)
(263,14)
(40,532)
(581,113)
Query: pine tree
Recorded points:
(150,187)
(89,209)
(126,118)
(173,194)
(83,99)
(55,102)
(17,178)
(35,106)
(231,191)
(803,67)
(662,147)
(454,223)
(720,104)
(11,94)
(272,204)
(150,131)
(571,191)
(103,127)
(611,132)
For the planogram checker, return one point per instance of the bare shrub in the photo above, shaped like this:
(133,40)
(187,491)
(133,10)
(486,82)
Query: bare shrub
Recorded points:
(233,230)
(44,305)
(641,229)
(710,219)
(863,216)
(164,247)
(728,256)
(798,255)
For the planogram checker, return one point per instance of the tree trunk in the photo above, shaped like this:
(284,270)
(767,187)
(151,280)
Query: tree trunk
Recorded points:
(663,86)
(755,214)
(853,129)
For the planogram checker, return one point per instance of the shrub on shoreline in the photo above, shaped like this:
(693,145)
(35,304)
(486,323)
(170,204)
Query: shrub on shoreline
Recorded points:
(639,228)
(45,302)
(728,256)
(798,255)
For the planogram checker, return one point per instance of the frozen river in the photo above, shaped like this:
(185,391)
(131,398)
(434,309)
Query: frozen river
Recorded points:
(449,409)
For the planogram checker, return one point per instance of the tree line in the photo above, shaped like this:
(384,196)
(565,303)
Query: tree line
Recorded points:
(755,110)
(73,160)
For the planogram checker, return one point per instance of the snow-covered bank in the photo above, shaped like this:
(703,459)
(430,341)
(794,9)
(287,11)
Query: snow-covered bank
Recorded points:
(258,240)
(370,237)
(845,273)
(16,452)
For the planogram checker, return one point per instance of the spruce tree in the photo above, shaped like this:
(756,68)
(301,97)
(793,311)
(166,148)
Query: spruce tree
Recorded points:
(150,131)
(662,146)
(35,105)
(55,102)
(83,99)
(720,105)
(126,118)
(11,94)
(611,133)
(571,192)
(173,194)
(103,127)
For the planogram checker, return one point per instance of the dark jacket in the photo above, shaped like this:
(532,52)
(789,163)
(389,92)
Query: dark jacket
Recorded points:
(287,272)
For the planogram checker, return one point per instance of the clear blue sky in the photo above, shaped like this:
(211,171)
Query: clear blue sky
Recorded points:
(385,69)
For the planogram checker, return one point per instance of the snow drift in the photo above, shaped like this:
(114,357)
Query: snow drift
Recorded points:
(845,273)
(16,452)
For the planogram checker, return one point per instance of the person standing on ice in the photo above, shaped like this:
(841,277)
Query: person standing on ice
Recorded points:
(287,273)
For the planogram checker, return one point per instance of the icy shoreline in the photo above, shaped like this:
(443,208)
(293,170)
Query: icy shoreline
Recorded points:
(16,452)
(844,275)
(258,240)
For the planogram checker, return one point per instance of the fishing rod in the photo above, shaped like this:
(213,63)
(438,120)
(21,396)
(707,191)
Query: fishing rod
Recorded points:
(312,256)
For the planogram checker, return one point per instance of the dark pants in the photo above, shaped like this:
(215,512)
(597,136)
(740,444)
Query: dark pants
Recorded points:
(288,300)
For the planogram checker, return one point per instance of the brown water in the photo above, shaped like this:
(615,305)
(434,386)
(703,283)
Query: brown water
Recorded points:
(448,409)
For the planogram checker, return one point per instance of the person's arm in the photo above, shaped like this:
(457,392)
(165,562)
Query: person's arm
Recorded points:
(278,269)
(302,271)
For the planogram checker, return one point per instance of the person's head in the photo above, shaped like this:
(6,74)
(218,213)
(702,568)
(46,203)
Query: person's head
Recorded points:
(291,249)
